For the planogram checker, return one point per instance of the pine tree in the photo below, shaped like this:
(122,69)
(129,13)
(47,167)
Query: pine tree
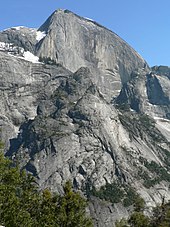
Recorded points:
(72,209)
(138,219)
(11,209)
(23,205)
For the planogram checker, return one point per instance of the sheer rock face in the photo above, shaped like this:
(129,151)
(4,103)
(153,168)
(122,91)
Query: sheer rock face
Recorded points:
(105,122)
(23,84)
(147,93)
(77,42)
(70,131)
(78,135)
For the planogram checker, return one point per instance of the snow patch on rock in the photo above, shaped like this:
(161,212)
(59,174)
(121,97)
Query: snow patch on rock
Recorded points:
(89,19)
(18,52)
(14,28)
(30,57)
(11,48)
(40,35)
(18,27)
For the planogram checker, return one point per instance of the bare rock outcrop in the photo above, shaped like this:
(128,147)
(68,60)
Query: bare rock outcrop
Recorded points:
(78,103)
(78,42)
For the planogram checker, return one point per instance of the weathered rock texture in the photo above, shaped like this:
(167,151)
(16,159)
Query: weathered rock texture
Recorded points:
(23,84)
(77,42)
(92,111)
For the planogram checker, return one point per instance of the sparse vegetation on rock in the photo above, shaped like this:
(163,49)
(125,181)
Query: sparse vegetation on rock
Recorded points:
(22,204)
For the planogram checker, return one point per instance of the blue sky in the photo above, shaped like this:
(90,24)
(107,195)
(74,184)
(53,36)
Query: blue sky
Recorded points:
(144,24)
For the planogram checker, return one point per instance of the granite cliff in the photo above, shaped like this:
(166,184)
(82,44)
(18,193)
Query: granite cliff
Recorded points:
(78,103)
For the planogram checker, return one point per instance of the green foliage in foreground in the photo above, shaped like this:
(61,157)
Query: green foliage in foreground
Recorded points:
(160,218)
(22,205)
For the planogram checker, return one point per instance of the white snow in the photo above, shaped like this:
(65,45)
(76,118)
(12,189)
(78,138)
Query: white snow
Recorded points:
(18,27)
(5,46)
(2,47)
(40,35)
(89,19)
(18,52)
(30,57)
(14,28)
(11,48)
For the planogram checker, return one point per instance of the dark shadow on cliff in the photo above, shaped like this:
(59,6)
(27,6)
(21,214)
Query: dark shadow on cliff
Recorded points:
(15,143)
